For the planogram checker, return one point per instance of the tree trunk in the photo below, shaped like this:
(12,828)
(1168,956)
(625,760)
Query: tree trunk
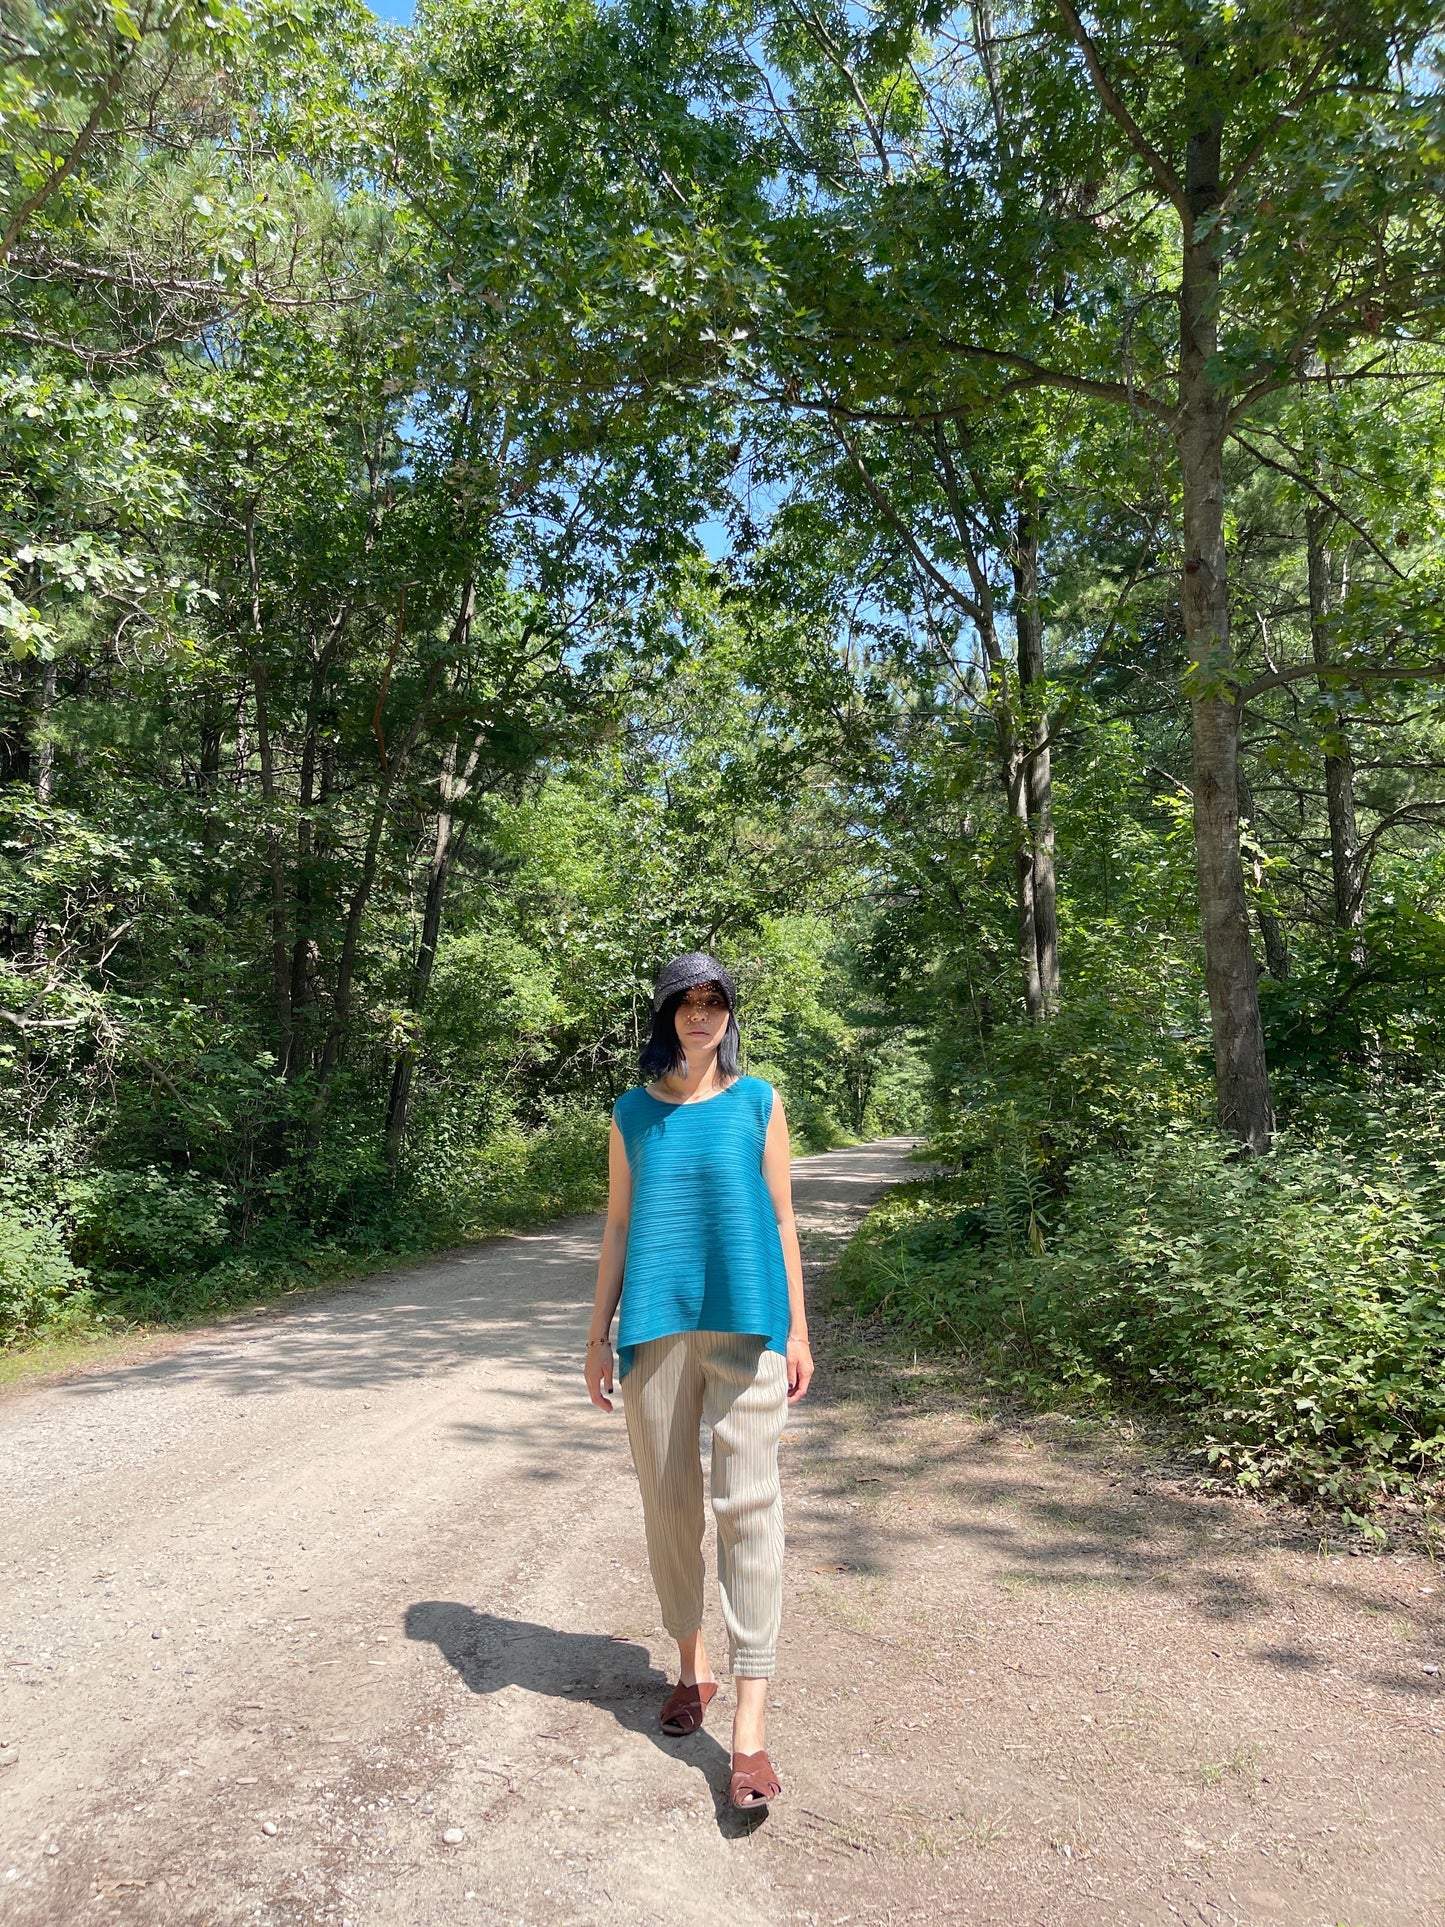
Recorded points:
(208,768)
(1016,788)
(280,972)
(453,789)
(1039,782)
(1345,866)
(1014,777)
(350,944)
(45,748)
(983,35)
(1241,1073)
(443,852)
(243,744)
(1014,772)
(392,776)
(303,942)
(305,953)
(1276,947)
(208,782)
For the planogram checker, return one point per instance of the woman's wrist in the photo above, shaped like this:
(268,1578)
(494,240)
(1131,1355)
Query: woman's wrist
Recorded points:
(799,1338)
(598,1341)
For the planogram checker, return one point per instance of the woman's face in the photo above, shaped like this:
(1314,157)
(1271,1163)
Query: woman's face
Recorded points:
(702,1018)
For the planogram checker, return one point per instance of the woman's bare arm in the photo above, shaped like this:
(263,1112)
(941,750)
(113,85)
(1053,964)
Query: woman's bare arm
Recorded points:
(778,1176)
(609,1272)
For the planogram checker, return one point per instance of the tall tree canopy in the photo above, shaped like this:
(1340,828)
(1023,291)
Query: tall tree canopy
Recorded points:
(1171,214)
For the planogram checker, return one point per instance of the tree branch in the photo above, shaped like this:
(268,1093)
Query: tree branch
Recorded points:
(895,521)
(1345,671)
(98,357)
(1040,376)
(1246,166)
(1166,179)
(1035,375)
(1291,364)
(1423,810)
(58,176)
(976,574)
(1293,475)
(825,41)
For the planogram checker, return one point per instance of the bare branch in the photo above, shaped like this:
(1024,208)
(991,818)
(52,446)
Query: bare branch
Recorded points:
(98,357)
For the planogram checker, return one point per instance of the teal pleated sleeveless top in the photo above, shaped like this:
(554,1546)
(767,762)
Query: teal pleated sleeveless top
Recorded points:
(703,1251)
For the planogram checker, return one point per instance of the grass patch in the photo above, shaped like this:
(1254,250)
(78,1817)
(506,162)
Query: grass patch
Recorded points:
(58,1353)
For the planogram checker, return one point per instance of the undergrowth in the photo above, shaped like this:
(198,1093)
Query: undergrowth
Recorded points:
(1099,1244)
(1291,1308)
(105,1250)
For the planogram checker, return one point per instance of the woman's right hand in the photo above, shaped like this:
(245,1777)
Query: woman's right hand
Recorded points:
(598,1373)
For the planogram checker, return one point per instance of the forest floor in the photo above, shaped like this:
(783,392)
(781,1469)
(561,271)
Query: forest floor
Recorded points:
(286,1603)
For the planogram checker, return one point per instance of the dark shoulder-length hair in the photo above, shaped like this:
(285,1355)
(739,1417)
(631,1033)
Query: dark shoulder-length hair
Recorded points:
(663,1053)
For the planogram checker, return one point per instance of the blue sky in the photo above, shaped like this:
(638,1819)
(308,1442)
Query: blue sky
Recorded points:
(392,10)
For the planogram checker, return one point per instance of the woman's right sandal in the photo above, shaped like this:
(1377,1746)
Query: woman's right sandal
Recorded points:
(683,1709)
(754,1783)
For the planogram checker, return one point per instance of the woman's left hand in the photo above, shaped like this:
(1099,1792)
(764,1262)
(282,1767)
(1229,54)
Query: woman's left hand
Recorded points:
(800,1368)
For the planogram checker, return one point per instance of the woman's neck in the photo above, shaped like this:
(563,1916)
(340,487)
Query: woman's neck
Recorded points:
(698,1080)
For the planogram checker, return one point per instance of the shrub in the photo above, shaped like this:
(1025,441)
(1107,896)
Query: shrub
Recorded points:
(1290,1307)
(1295,1303)
(521,1177)
(132,1227)
(1123,1057)
(40,1286)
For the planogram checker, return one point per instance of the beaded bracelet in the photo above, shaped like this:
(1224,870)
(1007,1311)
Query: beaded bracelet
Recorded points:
(599,1341)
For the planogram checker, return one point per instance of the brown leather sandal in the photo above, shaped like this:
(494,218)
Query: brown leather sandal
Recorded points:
(754,1783)
(683,1709)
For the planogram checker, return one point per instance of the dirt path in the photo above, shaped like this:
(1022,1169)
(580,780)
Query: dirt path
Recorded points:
(371,1570)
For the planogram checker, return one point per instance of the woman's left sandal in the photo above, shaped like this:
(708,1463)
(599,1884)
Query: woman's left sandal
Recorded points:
(754,1783)
(683,1709)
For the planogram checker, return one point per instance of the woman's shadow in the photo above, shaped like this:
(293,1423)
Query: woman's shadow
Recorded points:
(488,1653)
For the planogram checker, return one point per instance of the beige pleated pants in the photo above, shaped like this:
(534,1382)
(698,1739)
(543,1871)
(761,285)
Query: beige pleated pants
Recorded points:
(742,1391)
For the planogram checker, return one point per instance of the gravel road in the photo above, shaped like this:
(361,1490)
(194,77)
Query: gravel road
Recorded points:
(340,1614)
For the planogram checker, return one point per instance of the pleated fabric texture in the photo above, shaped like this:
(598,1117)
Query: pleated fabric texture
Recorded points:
(703,1250)
(739,1388)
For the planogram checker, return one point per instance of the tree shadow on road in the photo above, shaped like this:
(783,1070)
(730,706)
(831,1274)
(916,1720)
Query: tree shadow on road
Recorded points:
(488,1653)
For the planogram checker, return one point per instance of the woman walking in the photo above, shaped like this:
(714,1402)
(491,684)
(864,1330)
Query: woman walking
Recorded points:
(702,1251)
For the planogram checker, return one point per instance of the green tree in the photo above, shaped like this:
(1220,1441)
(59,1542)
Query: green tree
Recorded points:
(1167,211)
